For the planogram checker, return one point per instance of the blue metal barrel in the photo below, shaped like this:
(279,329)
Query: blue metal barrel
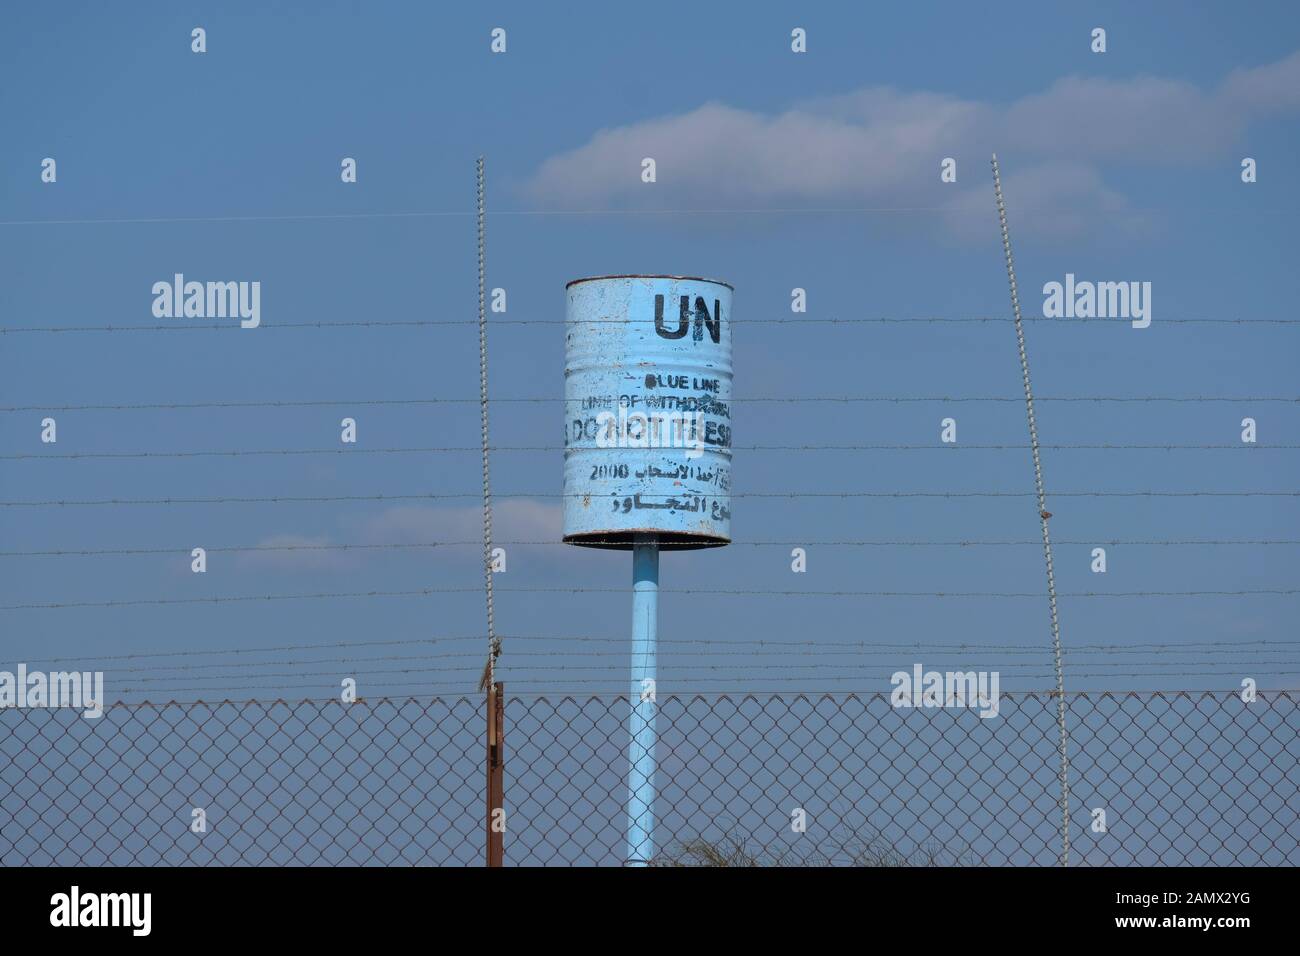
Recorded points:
(647,432)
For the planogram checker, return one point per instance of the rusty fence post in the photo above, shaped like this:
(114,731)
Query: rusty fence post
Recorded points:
(496,814)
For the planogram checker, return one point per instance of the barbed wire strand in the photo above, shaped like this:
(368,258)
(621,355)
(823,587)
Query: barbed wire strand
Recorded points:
(732,592)
(841,543)
(775,399)
(692,645)
(686,695)
(1044,515)
(435,496)
(456,213)
(694,667)
(776,660)
(401,450)
(433,323)
(686,685)
(524,214)
(453,686)
(695,645)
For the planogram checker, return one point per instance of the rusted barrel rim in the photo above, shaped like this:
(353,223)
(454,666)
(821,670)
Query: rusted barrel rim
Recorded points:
(636,275)
(667,540)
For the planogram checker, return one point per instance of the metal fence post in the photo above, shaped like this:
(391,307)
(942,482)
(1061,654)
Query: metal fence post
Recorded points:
(641,719)
(496,819)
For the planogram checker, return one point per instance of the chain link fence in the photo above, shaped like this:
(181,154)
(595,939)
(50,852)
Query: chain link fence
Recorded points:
(1157,779)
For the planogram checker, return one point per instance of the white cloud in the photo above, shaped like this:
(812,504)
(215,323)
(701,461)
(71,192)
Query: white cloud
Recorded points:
(1056,199)
(881,147)
(1274,88)
(513,519)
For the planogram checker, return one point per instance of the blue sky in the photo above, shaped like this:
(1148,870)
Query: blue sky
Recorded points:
(775,171)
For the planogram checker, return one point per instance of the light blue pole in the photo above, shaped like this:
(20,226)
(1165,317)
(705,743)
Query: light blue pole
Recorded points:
(641,720)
